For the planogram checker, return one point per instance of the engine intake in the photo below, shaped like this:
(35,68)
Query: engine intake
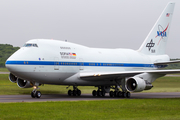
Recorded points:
(24,83)
(135,84)
(12,78)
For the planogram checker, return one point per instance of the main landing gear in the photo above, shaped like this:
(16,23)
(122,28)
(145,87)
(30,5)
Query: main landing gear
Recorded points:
(116,93)
(99,92)
(35,93)
(120,94)
(74,92)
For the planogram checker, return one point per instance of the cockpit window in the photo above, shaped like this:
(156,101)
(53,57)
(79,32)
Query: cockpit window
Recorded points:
(35,45)
(30,45)
(27,45)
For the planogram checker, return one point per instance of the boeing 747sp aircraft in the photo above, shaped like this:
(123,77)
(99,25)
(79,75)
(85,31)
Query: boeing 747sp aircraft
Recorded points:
(114,71)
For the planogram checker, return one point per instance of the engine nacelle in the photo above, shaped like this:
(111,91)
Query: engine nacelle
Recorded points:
(135,84)
(12,78)
(24,83)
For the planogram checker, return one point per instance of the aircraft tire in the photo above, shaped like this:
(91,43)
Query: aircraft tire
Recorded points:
(69,92)
(74,92)
(115,93)
(128,94)
(94,93)
(38,94)
(123,94)
(78,92)
(33,95)
(99,93)
(103,93)
(119,94)
(111,93)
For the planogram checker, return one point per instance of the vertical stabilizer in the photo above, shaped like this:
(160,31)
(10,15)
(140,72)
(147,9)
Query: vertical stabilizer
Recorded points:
(155,42)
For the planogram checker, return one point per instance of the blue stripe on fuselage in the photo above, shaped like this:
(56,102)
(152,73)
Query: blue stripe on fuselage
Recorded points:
(63,63)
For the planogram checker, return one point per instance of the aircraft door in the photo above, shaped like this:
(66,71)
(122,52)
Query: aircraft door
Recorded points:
(56,63)
(81,64)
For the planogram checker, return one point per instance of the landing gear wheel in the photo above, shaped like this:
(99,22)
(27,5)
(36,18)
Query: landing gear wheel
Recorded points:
(115,93)
(119,94)
(33,95)
(78,92)
(38,94)
(111,93)
(103,93)
(123,94)
(128,94)
(99,93)
(94,93)
(74,92)
(69,92)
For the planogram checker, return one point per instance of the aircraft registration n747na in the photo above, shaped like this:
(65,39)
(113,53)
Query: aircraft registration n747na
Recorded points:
(114,71)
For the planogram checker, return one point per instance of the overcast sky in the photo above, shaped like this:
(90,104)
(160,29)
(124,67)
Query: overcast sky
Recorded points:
(93,23)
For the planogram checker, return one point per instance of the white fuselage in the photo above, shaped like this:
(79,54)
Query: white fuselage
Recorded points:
(59,62)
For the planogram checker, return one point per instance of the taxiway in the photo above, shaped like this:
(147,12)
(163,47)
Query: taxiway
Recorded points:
(64,97)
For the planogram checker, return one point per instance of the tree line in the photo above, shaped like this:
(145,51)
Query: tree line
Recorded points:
(6,51)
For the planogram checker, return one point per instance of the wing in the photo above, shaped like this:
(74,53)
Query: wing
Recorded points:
(122,74)
(166,62)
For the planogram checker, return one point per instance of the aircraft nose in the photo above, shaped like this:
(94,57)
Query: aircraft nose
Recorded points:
(12,61)
(9,65)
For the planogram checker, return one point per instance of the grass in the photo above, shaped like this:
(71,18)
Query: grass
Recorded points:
(126,109)
(3,70)
(9,88)
(164,84)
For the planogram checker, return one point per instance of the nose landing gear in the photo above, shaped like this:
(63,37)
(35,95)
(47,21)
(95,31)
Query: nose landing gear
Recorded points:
(35,93)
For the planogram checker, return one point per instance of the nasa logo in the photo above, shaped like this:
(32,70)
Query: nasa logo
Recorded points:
(162,32)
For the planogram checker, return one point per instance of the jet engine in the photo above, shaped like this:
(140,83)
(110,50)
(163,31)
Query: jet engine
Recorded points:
(135,84)
(12,78)
(24,83)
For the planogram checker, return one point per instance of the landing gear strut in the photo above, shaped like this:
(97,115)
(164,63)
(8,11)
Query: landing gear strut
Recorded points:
(35,93)
(74,92)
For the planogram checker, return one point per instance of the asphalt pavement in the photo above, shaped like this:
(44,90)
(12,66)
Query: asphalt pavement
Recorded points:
(83,97)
